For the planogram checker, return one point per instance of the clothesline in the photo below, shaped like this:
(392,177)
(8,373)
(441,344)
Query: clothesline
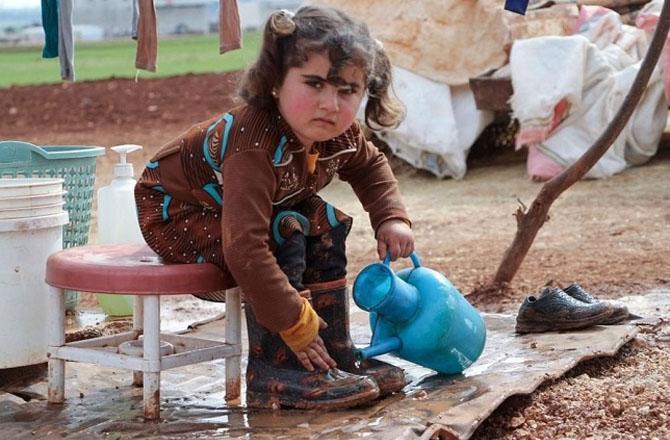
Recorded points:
(57,21)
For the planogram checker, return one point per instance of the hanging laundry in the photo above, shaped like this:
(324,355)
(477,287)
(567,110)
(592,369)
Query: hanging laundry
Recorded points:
(147,39)
(50,25)
(66,40)
(229,26)
(135,19)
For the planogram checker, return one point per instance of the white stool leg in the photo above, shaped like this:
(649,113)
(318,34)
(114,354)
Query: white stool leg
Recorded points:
(152,375)
(138,325)
(56,338)
(233,336)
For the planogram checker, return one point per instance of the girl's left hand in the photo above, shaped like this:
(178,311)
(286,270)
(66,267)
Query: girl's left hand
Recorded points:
(394,237)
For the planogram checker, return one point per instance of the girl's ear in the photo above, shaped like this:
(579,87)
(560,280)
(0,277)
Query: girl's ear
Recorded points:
(274,91)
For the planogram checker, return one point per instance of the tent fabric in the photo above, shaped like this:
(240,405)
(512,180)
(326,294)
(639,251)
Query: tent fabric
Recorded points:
(448,41)
(568,89)
(441,124)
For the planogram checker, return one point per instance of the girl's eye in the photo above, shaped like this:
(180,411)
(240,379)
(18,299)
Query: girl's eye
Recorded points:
(347,91)
(315,84)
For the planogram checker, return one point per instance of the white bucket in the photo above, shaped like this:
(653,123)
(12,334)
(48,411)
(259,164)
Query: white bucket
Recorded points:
(23,187)
(26,243)
(36,200)
(31,211)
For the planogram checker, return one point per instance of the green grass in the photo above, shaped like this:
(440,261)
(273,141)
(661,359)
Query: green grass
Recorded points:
(101,60)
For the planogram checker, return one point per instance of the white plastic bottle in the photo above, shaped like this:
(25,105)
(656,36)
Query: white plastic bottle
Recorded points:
(117,221)
(117,214)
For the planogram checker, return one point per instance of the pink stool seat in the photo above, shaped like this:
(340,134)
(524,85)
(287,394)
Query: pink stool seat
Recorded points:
(137,270)
(128,269)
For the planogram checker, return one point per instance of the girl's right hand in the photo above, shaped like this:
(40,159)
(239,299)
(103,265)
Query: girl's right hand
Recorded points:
(315,354)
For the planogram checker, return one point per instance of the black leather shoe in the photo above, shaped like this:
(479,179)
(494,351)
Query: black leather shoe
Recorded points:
(555,310)
(619,310)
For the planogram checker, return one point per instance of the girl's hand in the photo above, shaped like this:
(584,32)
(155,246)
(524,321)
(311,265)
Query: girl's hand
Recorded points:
(394,237)
(315,354)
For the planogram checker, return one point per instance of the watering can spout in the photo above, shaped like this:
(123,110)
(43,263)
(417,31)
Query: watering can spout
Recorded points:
(387,345)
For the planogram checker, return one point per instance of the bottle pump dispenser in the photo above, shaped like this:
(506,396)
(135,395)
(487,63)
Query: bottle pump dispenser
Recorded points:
(117,221)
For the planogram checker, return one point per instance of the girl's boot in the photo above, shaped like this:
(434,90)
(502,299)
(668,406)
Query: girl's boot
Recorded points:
(276,379)
(331,302)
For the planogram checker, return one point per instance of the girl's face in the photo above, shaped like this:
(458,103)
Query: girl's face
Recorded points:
(316,107)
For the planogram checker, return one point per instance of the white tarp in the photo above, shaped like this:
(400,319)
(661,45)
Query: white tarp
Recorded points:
(436,46)
(568,89)
(441,124)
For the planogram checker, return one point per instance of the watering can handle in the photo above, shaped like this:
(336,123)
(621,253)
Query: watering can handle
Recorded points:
(413,256)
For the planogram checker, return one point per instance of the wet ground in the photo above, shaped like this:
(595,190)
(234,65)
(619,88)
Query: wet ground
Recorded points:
(101,402)
(608,234)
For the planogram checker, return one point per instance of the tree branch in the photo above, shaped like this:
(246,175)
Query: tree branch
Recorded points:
(528,224)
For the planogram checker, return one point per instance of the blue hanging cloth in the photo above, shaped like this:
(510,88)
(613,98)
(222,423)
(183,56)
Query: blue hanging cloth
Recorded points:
(50,25)
(518,6)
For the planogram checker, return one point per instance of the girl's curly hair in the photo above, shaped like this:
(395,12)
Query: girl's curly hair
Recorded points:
(289,40)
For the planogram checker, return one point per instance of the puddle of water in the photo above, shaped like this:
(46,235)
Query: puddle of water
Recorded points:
(655,304)
(193,405)
(84,318)
(177,313)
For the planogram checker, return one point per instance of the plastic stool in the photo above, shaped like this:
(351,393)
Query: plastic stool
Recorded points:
(136,270)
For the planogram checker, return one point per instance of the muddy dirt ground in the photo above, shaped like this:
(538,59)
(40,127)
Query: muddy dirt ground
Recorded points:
(611,235)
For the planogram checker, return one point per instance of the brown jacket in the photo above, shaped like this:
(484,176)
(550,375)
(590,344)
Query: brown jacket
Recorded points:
(251,163)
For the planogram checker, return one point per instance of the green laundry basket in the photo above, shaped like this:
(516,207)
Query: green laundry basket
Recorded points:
(73,163)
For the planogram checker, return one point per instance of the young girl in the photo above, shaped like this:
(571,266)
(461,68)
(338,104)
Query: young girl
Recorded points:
(239,191)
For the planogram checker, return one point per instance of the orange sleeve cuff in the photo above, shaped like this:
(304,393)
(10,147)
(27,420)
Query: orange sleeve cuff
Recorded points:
(300,334)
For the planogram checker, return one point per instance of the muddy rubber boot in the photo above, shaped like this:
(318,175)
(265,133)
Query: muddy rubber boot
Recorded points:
(331,302)
(276,379)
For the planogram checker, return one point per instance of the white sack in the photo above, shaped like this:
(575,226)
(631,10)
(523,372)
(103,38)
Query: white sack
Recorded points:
(594,79)
(440,126)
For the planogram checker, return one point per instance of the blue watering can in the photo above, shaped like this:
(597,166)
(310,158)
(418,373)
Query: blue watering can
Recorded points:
(420,316)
